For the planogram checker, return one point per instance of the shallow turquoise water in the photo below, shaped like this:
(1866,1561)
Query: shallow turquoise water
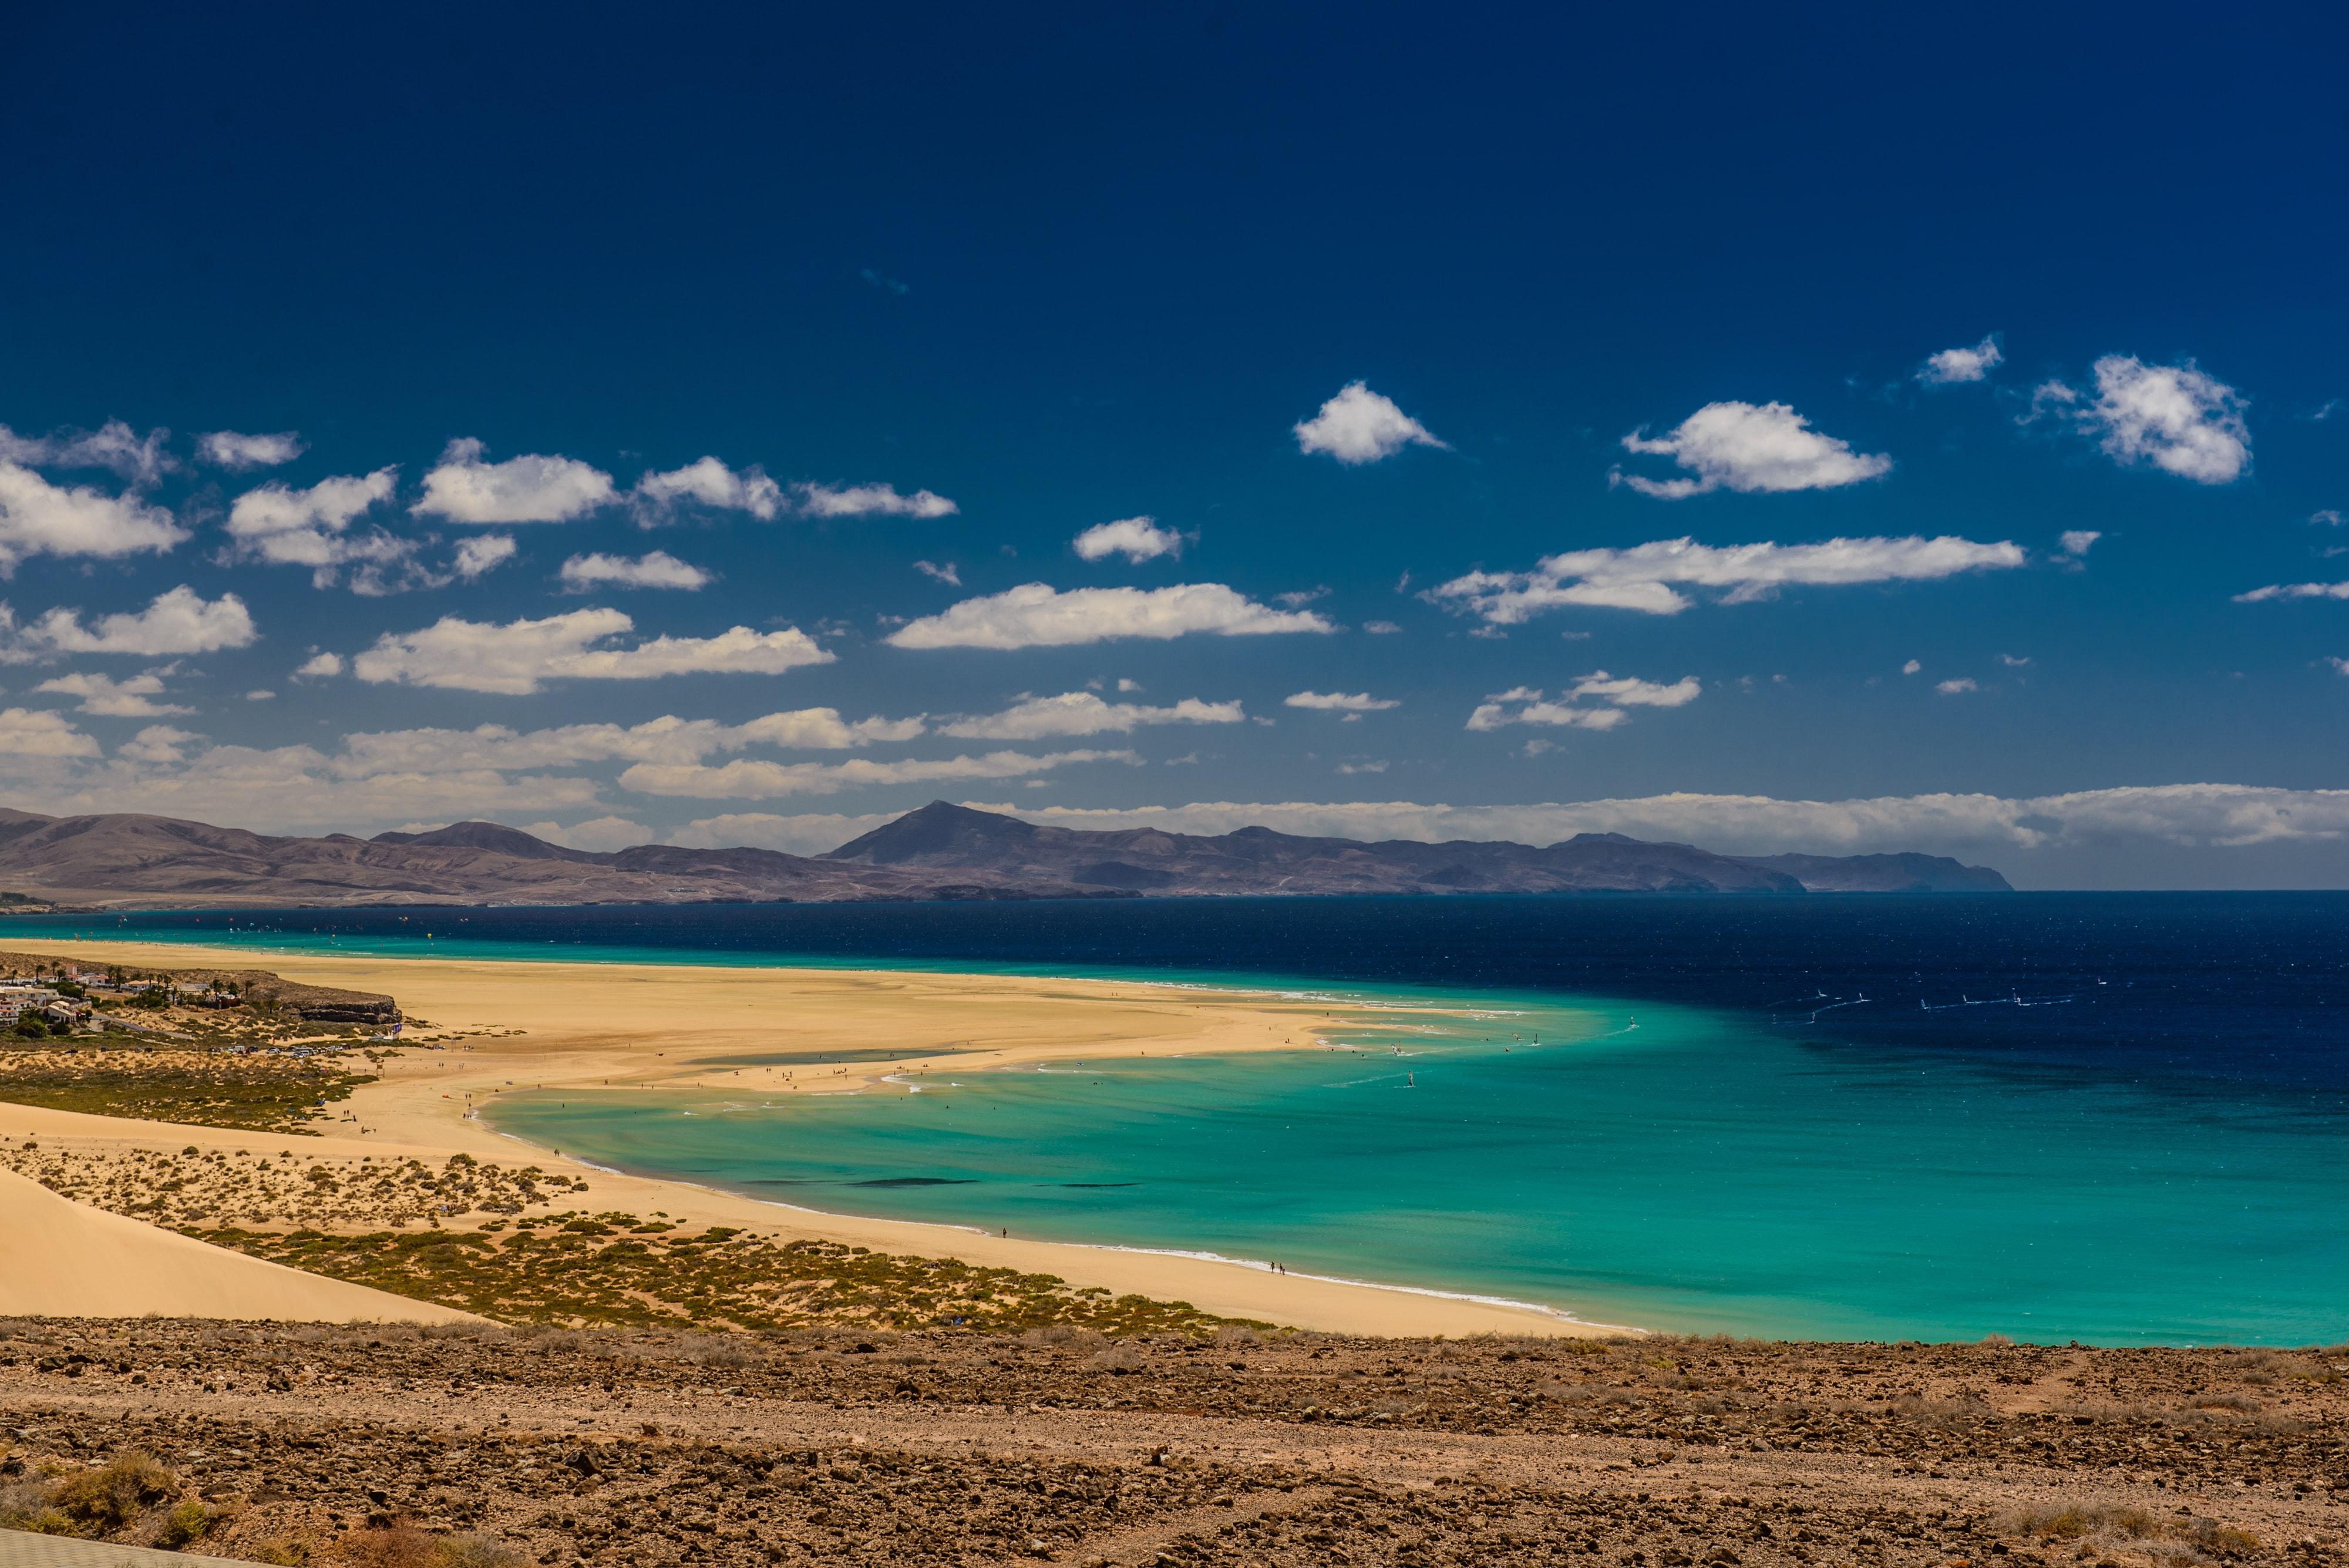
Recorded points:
(1695,1173)
(2109,1118)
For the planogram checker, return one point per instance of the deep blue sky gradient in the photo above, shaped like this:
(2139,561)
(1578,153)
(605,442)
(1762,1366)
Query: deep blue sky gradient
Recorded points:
(1136,246)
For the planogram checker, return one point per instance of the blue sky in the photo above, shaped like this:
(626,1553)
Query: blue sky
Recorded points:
(2004,347)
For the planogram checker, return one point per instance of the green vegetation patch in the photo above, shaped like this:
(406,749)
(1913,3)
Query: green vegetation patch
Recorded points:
(216,1089)
(606,1270)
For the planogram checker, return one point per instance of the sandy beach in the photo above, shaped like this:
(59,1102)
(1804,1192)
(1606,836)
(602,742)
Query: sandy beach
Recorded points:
(508,1026)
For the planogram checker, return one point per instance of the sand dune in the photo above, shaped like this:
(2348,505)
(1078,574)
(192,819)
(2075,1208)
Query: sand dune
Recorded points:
(58,1259)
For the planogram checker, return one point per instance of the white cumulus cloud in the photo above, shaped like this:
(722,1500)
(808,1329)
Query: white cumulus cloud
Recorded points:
(603,834)
(1748,446)
(27,734)
(496,748)
(38,518)
(137,460)
(1360,426)
(177,621)
(1953,365)
(516,658)
(1647,577)
(527,489)
(239,453)
(1561,715)
(2178,418)
(285,526)
(279,789)
(869,501)
(1625,691)
(1138,539)
(158,743)
(2199,816)
(1611,695)
(482,554)
(711,484)
(1084,713)
(105,696)
(2294,591)
(1341,702)
(659,569)
(1036,615)
(1964,683)
(756,779)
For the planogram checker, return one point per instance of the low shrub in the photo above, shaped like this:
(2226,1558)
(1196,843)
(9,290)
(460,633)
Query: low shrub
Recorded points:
(105,1499)
(1118,1360)
(2077,1521)
(718,1350)
(188,1524)
(472,1550)
(400,1546)
(405,1546)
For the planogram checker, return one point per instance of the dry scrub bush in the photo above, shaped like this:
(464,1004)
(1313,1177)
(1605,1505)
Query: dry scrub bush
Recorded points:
(1941,1415)
(106,1500)
(185,1525)
(401,1546)
(103,1501)
(1603,1393)
(472,1550)
(483,1332)
(2239,1402)
(25,1506)
(1061,1335)
(2260,1366)
(1118,1359)
(728,1350)
(2195,1537)
(2074,1520)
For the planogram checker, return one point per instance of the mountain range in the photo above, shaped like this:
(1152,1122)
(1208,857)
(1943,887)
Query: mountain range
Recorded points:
(939,852)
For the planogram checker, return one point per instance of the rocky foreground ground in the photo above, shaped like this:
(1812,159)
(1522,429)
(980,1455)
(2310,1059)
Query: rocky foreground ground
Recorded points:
(473,1448)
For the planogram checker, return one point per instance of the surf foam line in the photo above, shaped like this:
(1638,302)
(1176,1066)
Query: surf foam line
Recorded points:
(1265,1268)
(1507,1303)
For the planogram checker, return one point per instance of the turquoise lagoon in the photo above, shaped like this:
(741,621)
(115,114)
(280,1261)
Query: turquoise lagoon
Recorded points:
(1660,1166)
(2111,1117)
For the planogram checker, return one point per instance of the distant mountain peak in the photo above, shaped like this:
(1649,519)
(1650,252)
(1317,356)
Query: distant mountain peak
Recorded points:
(938,829)
(491,836)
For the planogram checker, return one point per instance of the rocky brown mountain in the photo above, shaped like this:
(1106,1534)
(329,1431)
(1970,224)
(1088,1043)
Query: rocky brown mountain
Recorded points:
(941,851)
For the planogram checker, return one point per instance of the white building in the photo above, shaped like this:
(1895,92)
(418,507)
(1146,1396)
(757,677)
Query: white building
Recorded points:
(16,1000)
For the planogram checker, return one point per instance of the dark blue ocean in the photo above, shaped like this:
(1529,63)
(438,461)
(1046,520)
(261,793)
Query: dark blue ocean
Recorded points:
(2103,1116)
